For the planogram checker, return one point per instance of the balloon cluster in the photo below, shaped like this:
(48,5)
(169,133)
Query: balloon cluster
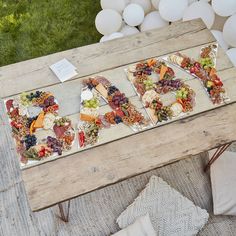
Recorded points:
(121,18)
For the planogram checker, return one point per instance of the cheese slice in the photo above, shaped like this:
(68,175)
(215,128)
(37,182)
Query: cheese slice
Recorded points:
(102,90)
(151,113)
(85,117)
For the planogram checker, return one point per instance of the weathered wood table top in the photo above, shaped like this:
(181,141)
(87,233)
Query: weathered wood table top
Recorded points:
(120,153)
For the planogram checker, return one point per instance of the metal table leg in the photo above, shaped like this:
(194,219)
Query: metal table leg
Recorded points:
(216,155)
(64,217)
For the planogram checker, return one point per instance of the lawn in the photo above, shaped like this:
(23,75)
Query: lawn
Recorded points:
(33,28)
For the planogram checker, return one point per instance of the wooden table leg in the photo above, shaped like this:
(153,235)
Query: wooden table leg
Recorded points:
(64,217)
(216,155)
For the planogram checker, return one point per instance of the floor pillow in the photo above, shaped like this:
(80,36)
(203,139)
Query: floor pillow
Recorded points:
(170,212)
(141,227)
(223,182)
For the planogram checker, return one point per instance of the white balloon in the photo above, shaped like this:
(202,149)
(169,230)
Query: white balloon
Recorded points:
(108,21)
(191,1)
(232,55)
(172,10)
(133,14)
(118,5)
(224,8)
(129,30)
(219,37)
(155,4)
(229,31)
(115,35)
(201,10)
(104,38)
(153,20)
(145,4)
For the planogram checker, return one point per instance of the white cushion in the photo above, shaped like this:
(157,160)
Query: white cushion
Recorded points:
(223,181)
(169,211)
(141,227)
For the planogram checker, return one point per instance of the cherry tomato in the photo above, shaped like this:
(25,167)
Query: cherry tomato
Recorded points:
(197,64)
(192,70)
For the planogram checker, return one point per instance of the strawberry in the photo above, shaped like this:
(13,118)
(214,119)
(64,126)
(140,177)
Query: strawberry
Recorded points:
(41,153)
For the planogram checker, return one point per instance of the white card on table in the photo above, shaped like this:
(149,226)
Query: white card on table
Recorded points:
(64,70)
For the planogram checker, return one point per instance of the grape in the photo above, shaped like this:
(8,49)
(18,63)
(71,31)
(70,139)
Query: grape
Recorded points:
(92,103)
(54,144)
(50,101)
(46,102)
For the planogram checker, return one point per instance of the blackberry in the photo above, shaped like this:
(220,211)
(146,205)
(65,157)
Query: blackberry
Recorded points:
(30,141)
(30,120)
(31,96)
(90,86)
(38,94)
(112,89)
(118,119)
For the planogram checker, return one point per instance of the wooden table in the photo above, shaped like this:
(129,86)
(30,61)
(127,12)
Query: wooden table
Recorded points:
(121,153)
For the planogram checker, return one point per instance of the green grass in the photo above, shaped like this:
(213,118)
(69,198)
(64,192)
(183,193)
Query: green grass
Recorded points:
(30,29)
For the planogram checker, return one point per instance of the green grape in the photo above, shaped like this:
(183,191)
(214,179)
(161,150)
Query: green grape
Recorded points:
(92,103)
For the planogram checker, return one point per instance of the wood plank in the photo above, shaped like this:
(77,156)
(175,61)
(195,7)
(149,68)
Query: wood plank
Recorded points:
(99,57)
(114,162)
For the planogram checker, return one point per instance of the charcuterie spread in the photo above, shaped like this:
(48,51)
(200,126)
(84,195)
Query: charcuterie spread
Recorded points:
(154,78)
(204,69)
(36,127)
(162,93)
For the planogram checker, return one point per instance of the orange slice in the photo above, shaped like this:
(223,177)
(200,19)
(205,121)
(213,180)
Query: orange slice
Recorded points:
(32,129)
(151,62)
